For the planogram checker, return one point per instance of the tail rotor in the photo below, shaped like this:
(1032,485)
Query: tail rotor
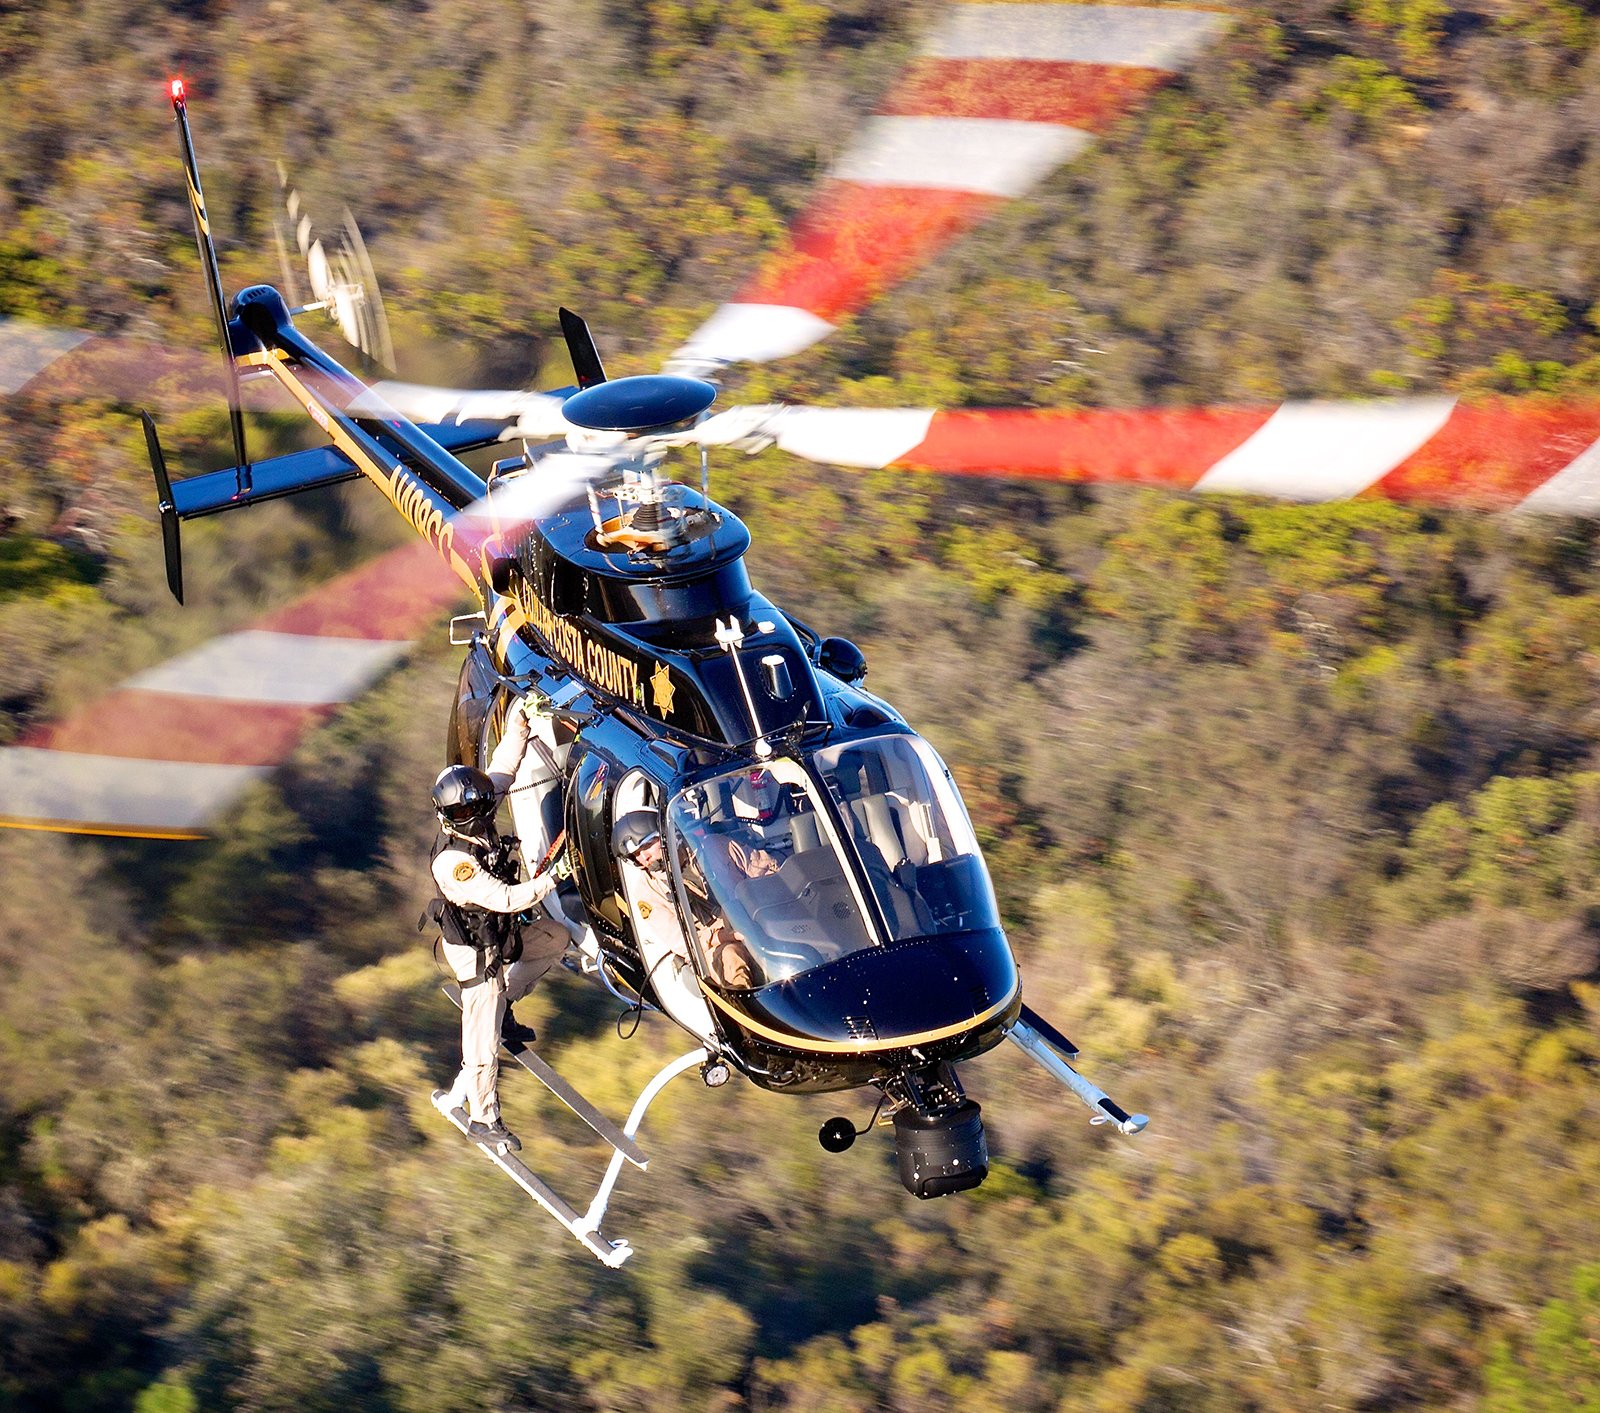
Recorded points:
(339,272)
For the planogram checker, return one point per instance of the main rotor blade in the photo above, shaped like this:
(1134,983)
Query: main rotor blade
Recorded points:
(1524,454)
(538,414)
(170,750)
(41,363)
(1001,95)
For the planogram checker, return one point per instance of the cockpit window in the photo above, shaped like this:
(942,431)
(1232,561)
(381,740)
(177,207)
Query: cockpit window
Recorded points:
(912,835)
(763,878)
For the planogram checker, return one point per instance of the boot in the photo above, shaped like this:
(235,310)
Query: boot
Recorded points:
(513,1029)
(496,1135)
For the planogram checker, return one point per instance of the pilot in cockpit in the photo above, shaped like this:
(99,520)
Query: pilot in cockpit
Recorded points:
(760,802)
(638,838)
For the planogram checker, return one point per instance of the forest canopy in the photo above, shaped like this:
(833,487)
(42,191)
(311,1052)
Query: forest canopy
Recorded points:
(1294,812)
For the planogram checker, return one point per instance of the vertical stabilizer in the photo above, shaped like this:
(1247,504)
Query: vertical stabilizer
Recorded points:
(208,260)
(170,543)
(580,344)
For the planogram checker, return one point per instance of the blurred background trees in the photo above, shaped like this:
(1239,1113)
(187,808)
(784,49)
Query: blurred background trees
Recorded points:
(1292,811)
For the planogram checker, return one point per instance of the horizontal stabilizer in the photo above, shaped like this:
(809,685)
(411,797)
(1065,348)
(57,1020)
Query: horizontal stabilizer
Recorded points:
(304,471)
(278,476)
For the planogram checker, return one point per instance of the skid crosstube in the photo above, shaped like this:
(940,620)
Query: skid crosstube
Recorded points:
(1046,1047)
(587,1227)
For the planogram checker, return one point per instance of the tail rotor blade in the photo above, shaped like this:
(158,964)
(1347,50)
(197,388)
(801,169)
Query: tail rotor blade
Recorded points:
(580,344)
(341,276)
(291,293)
(369,302)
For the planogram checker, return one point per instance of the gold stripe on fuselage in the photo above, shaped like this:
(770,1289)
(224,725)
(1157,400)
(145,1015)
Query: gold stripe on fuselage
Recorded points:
(505,620)
(857,1047)
(405,491)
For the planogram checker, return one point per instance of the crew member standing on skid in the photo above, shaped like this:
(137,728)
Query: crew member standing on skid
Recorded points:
(495,947)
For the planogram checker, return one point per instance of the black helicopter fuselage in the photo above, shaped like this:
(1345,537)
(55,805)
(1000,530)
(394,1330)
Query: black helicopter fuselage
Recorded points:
(625,641)
(885,956)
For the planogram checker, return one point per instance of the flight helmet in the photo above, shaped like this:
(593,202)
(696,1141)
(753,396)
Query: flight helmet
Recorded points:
(465,801)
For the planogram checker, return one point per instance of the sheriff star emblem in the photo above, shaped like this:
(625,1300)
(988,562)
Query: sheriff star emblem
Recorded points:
(462,872)
(662,688)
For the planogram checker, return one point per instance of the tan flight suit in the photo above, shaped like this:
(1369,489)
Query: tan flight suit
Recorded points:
(464,881)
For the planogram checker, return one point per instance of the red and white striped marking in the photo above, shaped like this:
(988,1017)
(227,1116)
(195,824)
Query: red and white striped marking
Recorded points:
(168,751)
(26,350)
(1530,454)
(1001,96)
(174,746)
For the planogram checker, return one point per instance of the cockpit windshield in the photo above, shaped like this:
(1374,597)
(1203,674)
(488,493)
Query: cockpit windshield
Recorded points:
(763,877)
(912,835)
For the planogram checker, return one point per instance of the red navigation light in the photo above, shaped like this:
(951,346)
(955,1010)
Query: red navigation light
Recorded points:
(177,90)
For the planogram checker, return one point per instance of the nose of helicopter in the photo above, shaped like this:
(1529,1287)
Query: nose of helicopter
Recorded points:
(955,992)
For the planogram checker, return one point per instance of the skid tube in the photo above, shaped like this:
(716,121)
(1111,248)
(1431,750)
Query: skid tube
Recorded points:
(1095,1099)
(586,1228)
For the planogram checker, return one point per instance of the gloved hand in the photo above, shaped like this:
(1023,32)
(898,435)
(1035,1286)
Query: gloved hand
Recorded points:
(534,706)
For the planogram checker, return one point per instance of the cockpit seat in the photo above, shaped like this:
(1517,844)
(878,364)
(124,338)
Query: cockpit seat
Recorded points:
(805,833)
(875,815)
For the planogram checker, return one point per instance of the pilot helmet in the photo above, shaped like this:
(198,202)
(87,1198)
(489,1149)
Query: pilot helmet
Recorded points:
(758,795)
(465,801)
(635,832)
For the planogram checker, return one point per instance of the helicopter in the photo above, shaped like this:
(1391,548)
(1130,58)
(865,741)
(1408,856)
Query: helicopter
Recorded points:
(805,823)
(541,638)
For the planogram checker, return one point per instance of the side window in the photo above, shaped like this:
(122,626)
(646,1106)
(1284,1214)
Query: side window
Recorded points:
(474,694)
(589,794)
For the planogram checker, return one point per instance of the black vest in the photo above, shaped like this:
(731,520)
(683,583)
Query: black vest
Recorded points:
(497,936)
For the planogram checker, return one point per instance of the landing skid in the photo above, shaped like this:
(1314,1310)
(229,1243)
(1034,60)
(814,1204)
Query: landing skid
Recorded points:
(1052,1050)
(563,1091)
(612,1253)
(586,1227)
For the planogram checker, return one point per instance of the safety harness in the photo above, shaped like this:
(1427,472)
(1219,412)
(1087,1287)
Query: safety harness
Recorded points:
(495,937)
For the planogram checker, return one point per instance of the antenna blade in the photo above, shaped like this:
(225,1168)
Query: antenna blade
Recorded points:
(170,542)
(580,344)
(208,260)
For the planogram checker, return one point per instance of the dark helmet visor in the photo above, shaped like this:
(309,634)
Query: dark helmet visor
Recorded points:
(466,811)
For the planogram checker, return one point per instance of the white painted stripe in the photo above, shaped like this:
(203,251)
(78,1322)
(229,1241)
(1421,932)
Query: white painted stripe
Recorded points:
(851,436)
(995,156)
(1573,490)
(28,349)
(65,787)
(752,333)
(1327,450)
(256,666)
(1129,36)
